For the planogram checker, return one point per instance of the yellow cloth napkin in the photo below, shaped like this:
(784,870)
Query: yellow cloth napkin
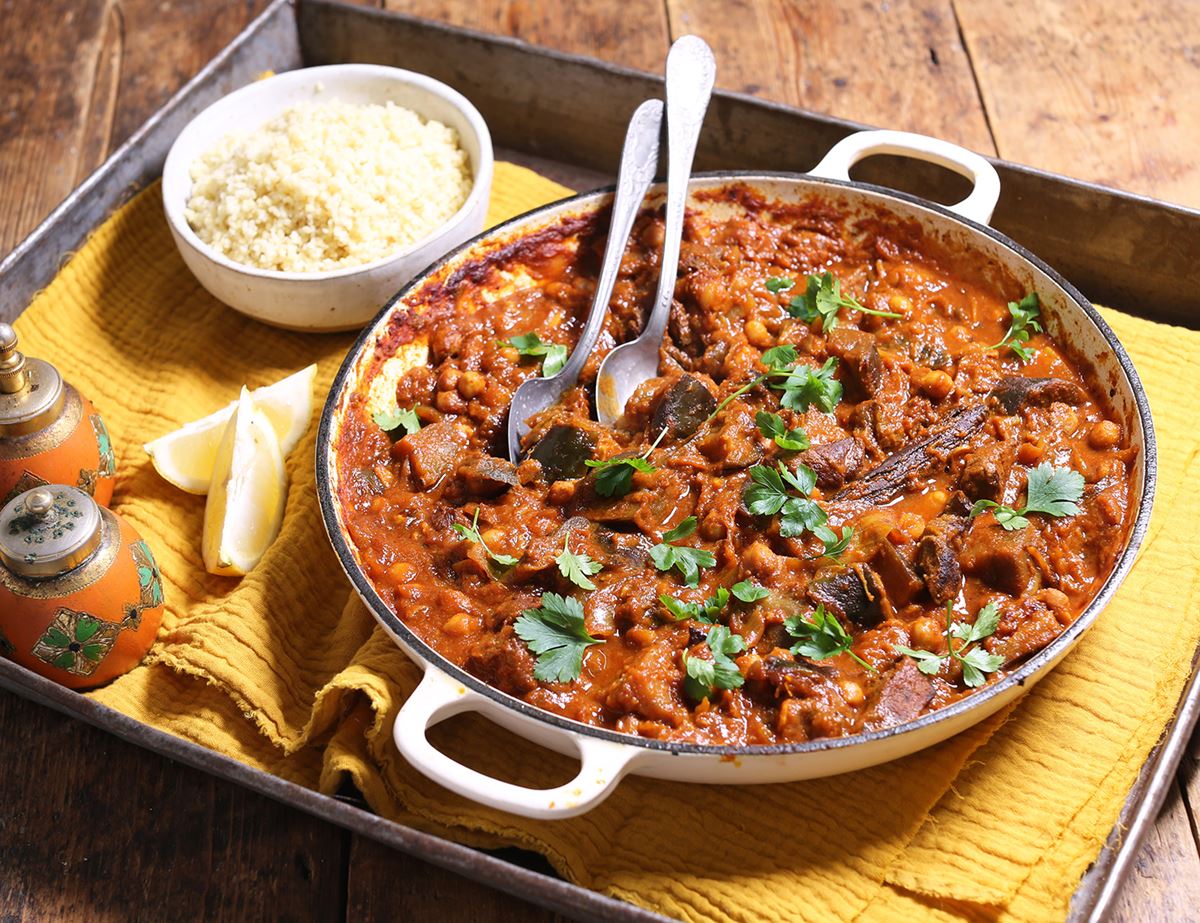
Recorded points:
(286,671)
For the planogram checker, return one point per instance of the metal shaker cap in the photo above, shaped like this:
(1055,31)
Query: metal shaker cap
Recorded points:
(48,531)
(31,390)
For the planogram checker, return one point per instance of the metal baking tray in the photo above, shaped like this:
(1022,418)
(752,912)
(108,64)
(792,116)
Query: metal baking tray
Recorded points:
(563,115)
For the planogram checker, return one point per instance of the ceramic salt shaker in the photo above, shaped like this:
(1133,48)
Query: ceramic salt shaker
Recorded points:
(49,432)
(81,597)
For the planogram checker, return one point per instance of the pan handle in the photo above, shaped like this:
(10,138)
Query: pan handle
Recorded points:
(977,206)
(438,697)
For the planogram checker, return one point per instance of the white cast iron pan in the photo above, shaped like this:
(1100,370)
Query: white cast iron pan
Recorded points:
(606,756)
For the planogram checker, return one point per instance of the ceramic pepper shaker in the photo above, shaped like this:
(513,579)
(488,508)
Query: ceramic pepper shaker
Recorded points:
(49,432)
(81,597)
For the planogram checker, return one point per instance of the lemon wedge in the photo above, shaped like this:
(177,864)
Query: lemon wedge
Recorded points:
(246,499)
(186,457)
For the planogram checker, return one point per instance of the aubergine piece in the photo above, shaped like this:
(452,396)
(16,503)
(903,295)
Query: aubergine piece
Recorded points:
(835,463)
(562,452)
(797,678)
(432,452)
(1002,559)
(892,475)
(682,408)
(485,475)
(860,357)
(896,568)
(903,696)
(1016,391)
(938,565)
(986,471)
(855,593)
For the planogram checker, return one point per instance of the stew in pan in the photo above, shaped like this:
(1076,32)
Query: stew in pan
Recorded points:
(866,483)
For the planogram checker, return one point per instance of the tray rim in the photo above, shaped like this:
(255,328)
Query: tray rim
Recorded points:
(1093,899)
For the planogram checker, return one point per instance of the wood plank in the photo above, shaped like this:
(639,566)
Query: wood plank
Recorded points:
(388,885)
(1165,881)
(94,828)
(1100,91)
(899,64)
(629,32)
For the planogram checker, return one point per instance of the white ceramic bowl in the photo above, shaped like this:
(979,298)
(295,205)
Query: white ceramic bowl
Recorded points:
(340,299)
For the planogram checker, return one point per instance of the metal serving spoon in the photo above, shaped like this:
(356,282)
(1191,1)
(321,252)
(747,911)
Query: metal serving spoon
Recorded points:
(639,162)
(691,71)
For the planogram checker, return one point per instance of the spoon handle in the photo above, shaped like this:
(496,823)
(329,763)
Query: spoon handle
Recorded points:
(691,71)
(639,162)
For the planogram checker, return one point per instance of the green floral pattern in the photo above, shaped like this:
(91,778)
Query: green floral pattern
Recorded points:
(149,585)
(76,642)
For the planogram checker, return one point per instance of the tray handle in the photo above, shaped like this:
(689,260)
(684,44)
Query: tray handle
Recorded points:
(977,206)
(438,697)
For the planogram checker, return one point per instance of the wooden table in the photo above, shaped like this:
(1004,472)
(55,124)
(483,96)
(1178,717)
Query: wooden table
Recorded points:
(94,829)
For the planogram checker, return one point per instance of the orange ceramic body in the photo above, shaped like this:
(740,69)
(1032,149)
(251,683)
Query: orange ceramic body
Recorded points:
(75,450)
(92,623)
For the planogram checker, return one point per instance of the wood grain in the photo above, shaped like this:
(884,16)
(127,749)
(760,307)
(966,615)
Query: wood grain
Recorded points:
(94,830)
(630,32)
(388,885)
(1100,91)
(1165,881)
(898,64)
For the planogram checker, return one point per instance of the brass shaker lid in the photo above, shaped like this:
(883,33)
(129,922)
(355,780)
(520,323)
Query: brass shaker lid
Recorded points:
(47,531)
(31,390)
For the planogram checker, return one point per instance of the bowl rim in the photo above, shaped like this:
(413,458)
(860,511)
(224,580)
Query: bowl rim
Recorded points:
(480,181)
(427,656)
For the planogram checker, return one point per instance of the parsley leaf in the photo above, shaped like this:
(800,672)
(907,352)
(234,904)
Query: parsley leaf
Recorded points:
(776,284)
(684,559)
(392,420)
(767,494)
(772,426)
(577,567)
(706,611)
(977,662)
(749,592)
(555,632)
(780,358)
(1025,314)
(471,534)
(554,355)
(614,476)
(705,677)
(807,386)
(833,545)
(1051,491)
(821,638)
(823,298)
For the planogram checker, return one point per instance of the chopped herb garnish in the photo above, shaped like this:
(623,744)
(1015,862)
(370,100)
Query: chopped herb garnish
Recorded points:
(776,284)
(577,567)
(705,677)
(614,476)
(772,426)
(821,638)
(1051,491)
(471,534)
(706,611)
(684,559)
(554,355)
(977,662)
(1025,314)
(807,386)
(556,633)
(391,421)
(780,358)
(833,545)
(750,592)
(767,494)
(823,298)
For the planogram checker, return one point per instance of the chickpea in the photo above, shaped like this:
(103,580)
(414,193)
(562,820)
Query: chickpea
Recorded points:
(449,402)
(926,634)
(1058,603)
(757,335)
(447,378)
(852,692)
(1030,453)
(471,384)
(934,383)
(561,492)
(400,571)
(492,538)
(459,624)
(899,303)
(712,529)
(1104,435)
